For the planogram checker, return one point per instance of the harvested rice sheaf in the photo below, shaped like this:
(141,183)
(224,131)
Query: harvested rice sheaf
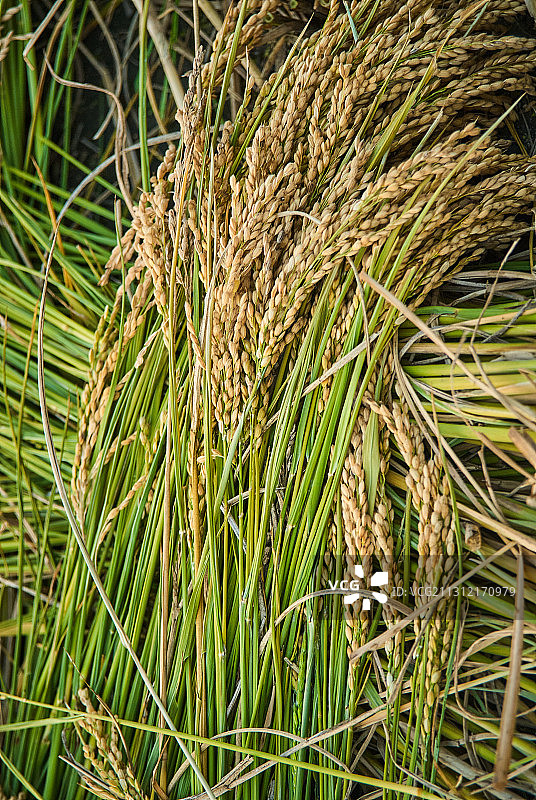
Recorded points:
(379,150)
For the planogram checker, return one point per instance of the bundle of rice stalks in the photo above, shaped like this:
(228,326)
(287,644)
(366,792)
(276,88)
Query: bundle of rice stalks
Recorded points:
(250,437)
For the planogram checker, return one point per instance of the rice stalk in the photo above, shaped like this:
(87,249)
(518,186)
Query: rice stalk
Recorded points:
(247,266)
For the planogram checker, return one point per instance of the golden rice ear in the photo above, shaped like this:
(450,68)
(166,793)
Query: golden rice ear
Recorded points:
(531,8)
